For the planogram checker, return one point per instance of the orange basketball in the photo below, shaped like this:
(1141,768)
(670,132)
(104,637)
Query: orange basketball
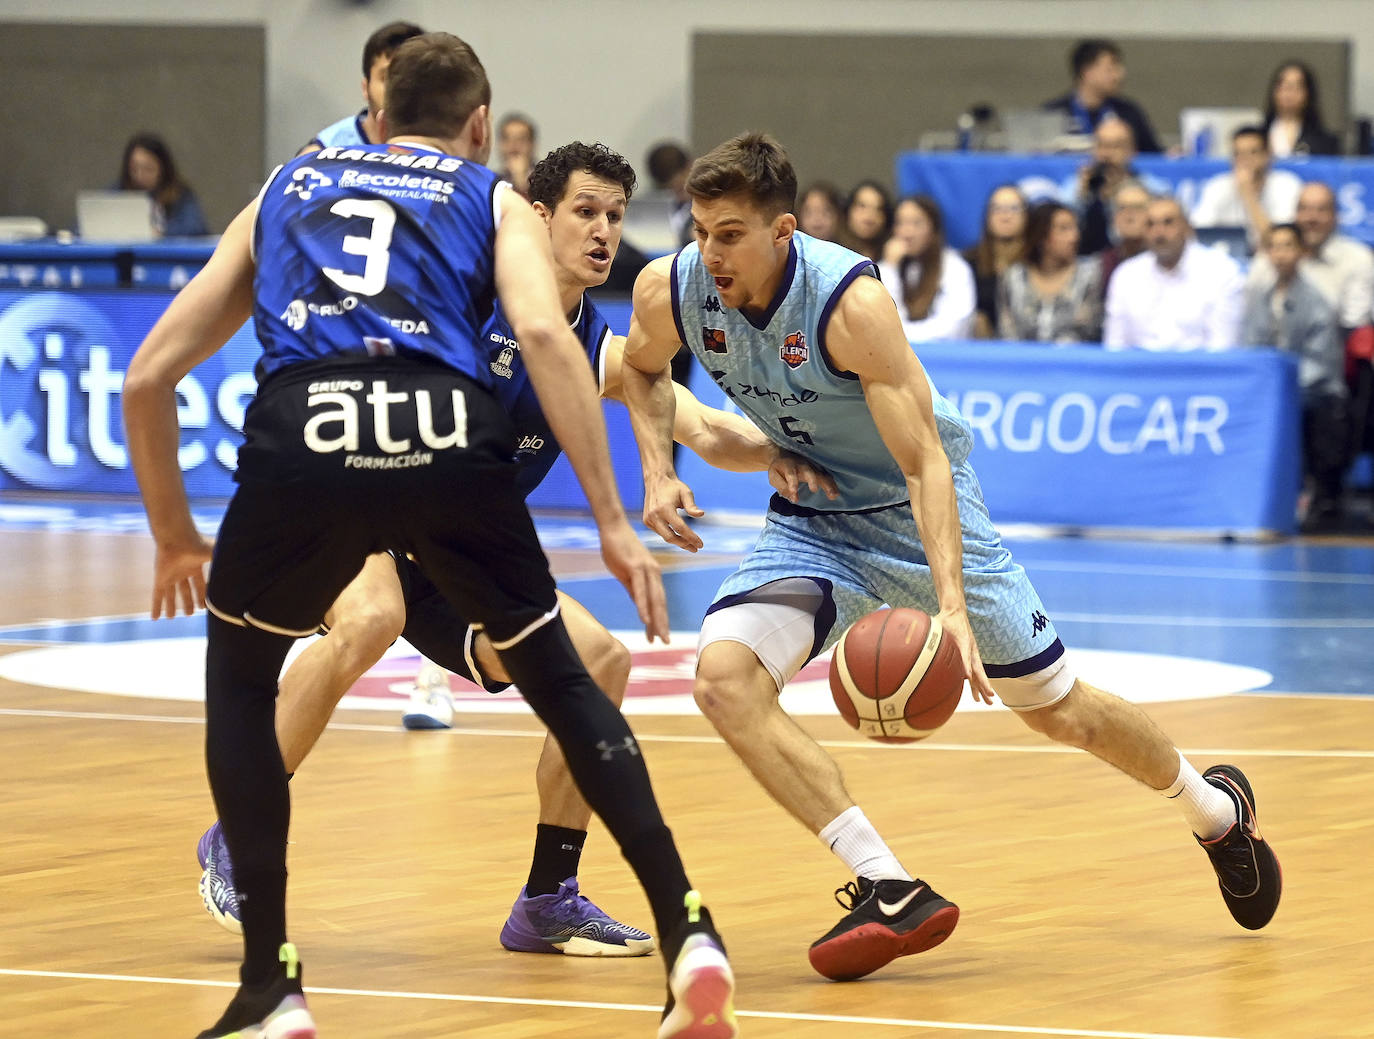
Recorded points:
(895,676)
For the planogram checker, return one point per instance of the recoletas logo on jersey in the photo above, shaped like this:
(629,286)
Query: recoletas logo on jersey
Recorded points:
(713,339)
(793,350)
(305,180)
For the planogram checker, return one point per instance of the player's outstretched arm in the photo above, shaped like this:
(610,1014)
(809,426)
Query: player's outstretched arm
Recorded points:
(567,394)
(725,440)
(647,387)
(200,320)
(865,337)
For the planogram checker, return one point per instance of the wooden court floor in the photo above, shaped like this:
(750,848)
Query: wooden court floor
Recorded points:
(1088,910)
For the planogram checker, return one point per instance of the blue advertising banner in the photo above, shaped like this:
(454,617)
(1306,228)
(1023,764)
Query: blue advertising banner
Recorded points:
(63,357)
(962,181)
(1082,437)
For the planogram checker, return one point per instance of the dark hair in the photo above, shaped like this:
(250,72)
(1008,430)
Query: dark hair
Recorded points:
(522,119)
(1039,224)
(433,85)
(665,161)
(1085,52)
(170,186)
(549,176)
(983,256)
(1311,113)
(1250,130)
(751,164)
(383,43)
(827,191)
(1291,228)
(919,296)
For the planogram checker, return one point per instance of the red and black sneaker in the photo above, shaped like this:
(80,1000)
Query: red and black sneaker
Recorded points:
(1247,869)
(886,919)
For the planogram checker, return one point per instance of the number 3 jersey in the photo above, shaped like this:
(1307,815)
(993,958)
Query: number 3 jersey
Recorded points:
(775,369)
(382,250)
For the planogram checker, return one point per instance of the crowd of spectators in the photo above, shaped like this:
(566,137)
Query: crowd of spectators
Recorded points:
(1118,263)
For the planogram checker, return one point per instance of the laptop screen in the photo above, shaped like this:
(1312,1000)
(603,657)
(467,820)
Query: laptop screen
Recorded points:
(115,216)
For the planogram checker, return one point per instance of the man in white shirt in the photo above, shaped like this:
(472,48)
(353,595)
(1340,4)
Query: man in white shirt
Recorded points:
(1337,266)
(1252,195)
(1176,296)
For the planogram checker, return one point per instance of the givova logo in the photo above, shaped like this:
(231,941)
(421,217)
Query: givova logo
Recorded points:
(62,367)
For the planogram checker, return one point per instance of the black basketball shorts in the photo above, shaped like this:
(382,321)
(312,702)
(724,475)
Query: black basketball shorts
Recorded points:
(347,457)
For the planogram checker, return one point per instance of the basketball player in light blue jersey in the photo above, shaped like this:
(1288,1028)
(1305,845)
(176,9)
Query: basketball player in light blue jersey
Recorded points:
(802,336)
(362,128)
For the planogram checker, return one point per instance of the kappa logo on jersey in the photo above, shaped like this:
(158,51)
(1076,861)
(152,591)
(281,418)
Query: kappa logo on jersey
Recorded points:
(1039,622)
(713,339)
(305,181)
(794,351)
(712,306)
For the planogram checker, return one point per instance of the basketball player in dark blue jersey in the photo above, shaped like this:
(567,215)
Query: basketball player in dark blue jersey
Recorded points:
(761,303)
(373,433)
(581,191)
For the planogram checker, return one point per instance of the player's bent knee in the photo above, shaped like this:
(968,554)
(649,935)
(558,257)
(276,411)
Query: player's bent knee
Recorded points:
(608,662)
(1065,720)
(1031,694)
(367,630)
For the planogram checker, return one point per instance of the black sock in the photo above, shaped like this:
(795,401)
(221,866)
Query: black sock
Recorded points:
(557,852)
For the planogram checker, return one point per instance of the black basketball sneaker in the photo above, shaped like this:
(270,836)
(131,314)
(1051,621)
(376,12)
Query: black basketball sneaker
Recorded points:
(1247,869)
(886,919)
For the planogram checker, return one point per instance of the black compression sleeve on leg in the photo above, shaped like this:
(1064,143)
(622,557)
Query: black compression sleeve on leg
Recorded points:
(604,758)
(248,781)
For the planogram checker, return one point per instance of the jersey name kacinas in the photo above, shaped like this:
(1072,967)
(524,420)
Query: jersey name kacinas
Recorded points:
(536,449)
(776,371)
(381,251)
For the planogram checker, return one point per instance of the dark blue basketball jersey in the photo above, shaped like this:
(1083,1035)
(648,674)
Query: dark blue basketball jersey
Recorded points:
(536,450)
(384,250)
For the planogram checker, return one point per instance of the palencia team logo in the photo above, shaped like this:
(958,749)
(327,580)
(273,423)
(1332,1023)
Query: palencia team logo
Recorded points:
(793,350)
(713,339)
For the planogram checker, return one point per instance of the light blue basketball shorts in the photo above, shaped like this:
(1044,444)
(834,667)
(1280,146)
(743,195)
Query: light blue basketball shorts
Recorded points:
(861,561)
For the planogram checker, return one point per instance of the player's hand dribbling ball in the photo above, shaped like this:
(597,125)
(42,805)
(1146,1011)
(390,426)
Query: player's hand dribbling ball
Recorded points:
(895,676)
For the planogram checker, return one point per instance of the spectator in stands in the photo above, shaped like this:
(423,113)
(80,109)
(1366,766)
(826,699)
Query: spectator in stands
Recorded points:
(1337,266)
(1293,315)
(1293,117)
(931,283)
(354,130)
(516,137)
(668,164)
(867,219)
(1098,72)
(1129,206)
(148,166)
(1001,244)
(1252,195)
(1177,296)
(1113,153)
(819,211)
(1053,295)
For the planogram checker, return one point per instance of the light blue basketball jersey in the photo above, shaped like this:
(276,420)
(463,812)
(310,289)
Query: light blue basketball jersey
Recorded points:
(776,370)
(346,133)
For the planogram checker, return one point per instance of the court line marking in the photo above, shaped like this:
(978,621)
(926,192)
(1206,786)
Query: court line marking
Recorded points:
(568,1004)
(887,748)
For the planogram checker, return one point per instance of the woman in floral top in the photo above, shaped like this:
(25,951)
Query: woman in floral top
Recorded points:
(1053,295)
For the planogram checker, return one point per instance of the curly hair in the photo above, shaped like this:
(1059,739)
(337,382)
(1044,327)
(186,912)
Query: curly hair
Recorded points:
(549,176)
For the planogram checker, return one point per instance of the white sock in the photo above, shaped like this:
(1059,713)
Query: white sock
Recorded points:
(1209,810)
(852,837)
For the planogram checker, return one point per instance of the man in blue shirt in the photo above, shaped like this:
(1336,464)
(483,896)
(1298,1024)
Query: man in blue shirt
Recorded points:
(581,191)
(369,273)
(809,344)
